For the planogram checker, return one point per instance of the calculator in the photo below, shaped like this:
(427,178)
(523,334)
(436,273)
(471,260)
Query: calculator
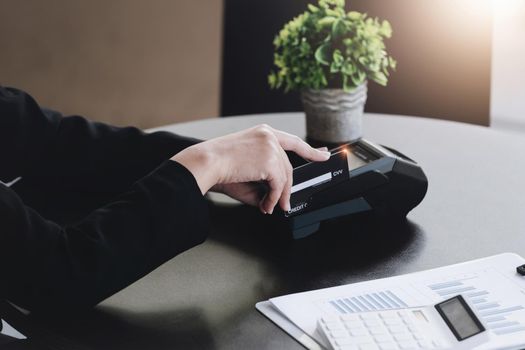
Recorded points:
(451,324)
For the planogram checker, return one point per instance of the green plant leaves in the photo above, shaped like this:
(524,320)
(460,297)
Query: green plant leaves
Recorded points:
(354,16)
(312,8)
(380,78)
(392,63)
(327,21)
(322,54)
(358,77)
(386,29)
(348,68)
(272,80)
(327,44)
(347,87)
(338,57)
(337,61)
(338,28)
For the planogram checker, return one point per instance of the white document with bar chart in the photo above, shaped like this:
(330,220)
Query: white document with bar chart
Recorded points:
(491,284)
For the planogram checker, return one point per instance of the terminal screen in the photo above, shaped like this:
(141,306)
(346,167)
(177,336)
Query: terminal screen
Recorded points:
(357,157)
(354,161)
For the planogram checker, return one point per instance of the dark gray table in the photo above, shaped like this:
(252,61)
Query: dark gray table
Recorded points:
(204,298)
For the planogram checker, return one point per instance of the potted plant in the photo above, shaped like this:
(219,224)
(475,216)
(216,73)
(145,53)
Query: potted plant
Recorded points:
(329,55)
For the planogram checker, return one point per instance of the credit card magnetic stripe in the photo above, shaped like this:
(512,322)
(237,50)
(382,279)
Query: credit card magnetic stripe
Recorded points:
(312,182)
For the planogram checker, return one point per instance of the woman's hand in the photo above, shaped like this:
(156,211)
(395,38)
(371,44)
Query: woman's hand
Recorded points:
(250,193)
(233,162)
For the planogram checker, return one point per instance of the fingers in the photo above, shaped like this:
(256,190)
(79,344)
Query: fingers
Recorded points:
(270,164)
(284,200)
(294,143)
(247,193)
(280,184)
(272,197)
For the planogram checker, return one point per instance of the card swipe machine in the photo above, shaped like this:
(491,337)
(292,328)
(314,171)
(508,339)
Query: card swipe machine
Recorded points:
(359,177)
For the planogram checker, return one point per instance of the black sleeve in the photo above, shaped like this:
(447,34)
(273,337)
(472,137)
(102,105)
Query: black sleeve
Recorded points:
(48,266)
(159,212)
(73,153)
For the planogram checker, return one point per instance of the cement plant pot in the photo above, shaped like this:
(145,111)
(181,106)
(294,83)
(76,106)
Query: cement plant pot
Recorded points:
(334,116)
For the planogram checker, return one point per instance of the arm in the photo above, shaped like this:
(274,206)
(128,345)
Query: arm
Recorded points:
(162,214)
(48,266)
(73,153)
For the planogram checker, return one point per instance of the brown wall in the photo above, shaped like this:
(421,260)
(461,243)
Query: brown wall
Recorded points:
(137,62)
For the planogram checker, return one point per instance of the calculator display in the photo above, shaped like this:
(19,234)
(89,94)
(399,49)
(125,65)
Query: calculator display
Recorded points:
(459,318)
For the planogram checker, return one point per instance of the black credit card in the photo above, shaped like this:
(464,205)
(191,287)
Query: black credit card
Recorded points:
(314,177)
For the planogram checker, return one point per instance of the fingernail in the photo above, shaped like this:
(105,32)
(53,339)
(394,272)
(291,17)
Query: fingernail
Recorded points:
(288,207)
(326,153)
(323,149)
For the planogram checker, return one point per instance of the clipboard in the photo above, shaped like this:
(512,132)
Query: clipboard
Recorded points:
(268,310)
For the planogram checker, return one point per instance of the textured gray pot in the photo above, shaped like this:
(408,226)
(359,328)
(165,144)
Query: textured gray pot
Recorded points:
(333,115)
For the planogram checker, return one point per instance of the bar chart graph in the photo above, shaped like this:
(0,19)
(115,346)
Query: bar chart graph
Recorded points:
(381,300)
